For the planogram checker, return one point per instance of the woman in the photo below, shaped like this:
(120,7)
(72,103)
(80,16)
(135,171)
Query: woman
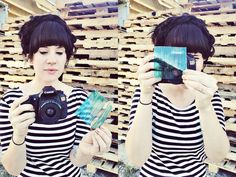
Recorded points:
(183,123)
(34,149)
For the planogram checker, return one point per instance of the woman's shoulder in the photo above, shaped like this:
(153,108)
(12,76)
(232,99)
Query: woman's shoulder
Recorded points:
(11,94)
(78,92)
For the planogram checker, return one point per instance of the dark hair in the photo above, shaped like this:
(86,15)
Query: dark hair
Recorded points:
(46,30)
(185,31)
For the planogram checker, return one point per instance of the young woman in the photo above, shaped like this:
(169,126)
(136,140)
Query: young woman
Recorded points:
(45,150)
(175,127)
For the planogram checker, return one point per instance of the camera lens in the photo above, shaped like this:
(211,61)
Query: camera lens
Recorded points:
(50,112)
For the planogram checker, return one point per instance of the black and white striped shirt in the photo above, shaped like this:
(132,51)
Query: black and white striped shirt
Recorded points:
(47,146)
(177,141)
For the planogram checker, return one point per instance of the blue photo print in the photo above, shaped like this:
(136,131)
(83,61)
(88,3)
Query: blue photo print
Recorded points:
(169,63)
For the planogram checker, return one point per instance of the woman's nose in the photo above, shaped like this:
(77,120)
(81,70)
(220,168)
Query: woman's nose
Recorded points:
(51,58)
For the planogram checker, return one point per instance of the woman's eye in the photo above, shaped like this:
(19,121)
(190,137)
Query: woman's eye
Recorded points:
(59,53)
(42,52)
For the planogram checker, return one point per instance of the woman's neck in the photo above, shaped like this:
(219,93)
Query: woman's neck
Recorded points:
(178,95)
(180,88)
(35,86)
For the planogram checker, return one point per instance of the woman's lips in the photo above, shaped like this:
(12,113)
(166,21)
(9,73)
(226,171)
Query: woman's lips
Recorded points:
(51,71)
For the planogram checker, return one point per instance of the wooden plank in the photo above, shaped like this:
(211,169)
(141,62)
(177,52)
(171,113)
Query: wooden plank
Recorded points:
(230,113)
(10,44)
(218,18)
(123,53)
(130,60)
(125,67)
(98,43)
(223,61)
(139,41)
(16,78)
(128,75)
(11,50)
(106,73)
(225,40)
(14,64)
(231,127)
(103,165)
(17,71)
(89,16)
(225,79)
(98,22)
(95,63)
(220,70)
(229,104)
(134,35)
(134,47)
(12,56)
(112,128)
(14,38)
(222,30)
(109,156)
(90,80)
(95,53)
(229,95)
(132,82)
(88,34)
(143,22)
(10,84)
(139,29)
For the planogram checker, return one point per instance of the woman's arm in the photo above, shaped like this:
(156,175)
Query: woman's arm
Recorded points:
(139,137)
(14,159)
(78,158)
(93,143)
(215,139)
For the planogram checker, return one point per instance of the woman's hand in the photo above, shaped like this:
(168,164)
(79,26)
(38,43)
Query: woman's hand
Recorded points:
(146,75)
(20,121)
(96,142)
(203,85)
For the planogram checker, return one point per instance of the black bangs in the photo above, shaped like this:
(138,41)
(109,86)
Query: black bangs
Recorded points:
(189,36)
(50,33)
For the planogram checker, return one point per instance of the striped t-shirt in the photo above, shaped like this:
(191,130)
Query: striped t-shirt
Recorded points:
(177,141)
(47,146)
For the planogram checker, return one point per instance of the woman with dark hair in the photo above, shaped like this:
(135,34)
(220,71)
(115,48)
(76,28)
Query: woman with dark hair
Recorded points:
(30,148)
(183,123)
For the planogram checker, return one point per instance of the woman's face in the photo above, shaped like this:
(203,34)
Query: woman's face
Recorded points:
(199,61)
(49,63)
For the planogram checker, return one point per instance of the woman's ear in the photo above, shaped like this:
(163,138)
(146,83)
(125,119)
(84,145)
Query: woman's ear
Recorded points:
(28,62)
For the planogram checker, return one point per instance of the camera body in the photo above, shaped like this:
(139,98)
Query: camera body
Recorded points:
(50,105)
(171,74)
(170,62)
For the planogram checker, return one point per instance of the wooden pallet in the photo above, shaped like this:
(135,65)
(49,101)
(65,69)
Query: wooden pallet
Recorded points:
(97,43)
(98,23)
(92,34)
(102,164)
(93,63)
(227,165)
(82,12)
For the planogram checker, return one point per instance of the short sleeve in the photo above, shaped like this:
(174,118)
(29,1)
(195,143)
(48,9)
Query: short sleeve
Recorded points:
(217,105)
(5,125)
(81,127)
(134,106)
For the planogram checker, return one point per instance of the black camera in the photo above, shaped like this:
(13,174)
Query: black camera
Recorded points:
(50,105)
(171,74)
